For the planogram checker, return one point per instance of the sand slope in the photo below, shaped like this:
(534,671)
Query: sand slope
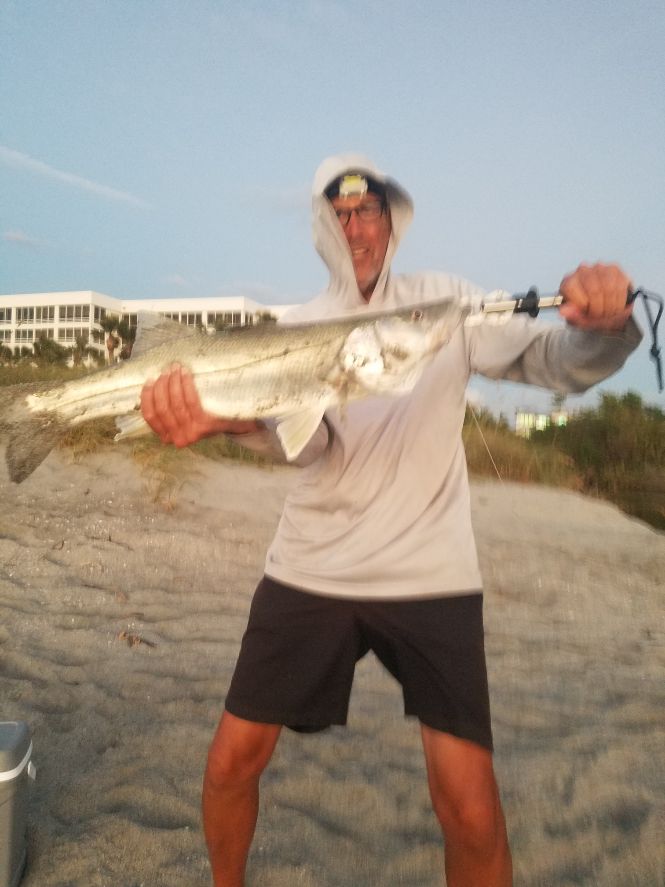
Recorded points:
(575,639)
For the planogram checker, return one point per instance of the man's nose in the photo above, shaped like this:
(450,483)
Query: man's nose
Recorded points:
(353,226)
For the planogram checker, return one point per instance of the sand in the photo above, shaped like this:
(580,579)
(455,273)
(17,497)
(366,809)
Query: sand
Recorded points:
(121,619)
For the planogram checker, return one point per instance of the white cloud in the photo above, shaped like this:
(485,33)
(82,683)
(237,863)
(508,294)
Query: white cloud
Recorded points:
(22,239)
(20,161)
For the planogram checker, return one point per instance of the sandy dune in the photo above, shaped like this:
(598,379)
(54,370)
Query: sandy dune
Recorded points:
(121,619)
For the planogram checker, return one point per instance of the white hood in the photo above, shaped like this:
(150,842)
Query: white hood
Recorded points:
(329,238)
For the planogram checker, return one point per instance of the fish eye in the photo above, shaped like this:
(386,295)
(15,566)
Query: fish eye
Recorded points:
(417,314)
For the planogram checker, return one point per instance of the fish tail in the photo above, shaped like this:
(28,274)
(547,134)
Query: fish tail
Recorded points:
(30,435)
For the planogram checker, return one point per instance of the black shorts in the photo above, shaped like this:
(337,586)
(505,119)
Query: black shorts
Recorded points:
(299,653)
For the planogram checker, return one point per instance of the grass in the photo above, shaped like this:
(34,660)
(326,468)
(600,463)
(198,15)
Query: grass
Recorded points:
(165,468)
(515,459)
(512,459)
(21,373)
(639,491)
(82,440)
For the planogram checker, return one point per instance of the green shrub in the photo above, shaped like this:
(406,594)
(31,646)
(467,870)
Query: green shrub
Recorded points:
(492,450)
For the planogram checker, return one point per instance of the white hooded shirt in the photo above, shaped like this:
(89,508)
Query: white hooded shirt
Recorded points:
(381,507)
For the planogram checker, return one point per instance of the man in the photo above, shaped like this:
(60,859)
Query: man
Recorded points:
(375,548)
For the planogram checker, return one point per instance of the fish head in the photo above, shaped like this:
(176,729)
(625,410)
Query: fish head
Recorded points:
(389,354)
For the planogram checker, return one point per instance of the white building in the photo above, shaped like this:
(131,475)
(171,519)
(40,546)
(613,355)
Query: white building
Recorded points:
(527,422)
(66,316)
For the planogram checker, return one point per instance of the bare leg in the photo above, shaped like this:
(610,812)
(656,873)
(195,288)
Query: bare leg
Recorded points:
(239,753)
(466,801)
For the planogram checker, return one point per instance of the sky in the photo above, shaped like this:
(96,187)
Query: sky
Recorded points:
(165,148)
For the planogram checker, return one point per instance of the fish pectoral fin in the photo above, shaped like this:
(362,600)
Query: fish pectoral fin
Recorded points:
(131,425)
(296,430)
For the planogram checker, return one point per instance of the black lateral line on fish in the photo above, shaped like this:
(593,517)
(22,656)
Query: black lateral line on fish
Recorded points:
(320,343)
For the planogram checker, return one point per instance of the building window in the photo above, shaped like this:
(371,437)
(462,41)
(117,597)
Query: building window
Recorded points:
(46,333)
(78,313)
(25,315)
(224,318)
(5,335)
(24,335)
(5,315)
(45,314)
(184,317)
(71,333)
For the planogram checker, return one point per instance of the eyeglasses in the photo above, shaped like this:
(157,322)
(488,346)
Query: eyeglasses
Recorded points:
(366,212)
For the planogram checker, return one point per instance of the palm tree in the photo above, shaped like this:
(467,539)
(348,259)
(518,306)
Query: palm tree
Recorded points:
(264,317)
(81,350)
(128,335)
(110,326)
(558,401)
(48,351)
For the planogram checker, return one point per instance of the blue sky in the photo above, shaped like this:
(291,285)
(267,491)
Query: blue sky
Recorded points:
(153,148)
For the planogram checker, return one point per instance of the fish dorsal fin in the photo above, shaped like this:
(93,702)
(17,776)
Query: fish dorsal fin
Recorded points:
(154,330)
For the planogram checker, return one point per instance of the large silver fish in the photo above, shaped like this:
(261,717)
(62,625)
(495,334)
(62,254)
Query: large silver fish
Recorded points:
(292,373)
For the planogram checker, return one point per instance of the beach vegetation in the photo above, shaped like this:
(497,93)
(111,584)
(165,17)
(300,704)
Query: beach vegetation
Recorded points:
(494,450)
(48,352)
(618,449)
(110,326)
(28,369)
(615,450)
(81,351)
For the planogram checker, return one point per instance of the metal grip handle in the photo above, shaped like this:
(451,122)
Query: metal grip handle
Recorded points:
(531,303)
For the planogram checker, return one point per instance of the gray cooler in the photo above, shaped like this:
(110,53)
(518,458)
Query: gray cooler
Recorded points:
(15,768)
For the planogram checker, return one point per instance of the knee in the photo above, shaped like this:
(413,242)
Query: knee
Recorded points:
(226,767)
(238,756)
(475,823)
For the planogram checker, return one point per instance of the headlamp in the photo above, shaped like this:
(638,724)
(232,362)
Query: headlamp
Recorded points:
(353,186)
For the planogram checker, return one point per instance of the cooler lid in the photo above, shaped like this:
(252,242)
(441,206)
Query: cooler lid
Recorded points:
(14,744)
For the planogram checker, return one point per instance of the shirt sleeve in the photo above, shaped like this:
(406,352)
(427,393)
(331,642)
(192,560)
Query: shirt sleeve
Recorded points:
(561,358)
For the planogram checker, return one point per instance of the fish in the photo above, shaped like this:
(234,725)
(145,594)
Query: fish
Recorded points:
(291,373)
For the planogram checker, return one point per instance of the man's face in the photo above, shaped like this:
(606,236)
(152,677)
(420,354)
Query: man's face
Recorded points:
(367,237)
